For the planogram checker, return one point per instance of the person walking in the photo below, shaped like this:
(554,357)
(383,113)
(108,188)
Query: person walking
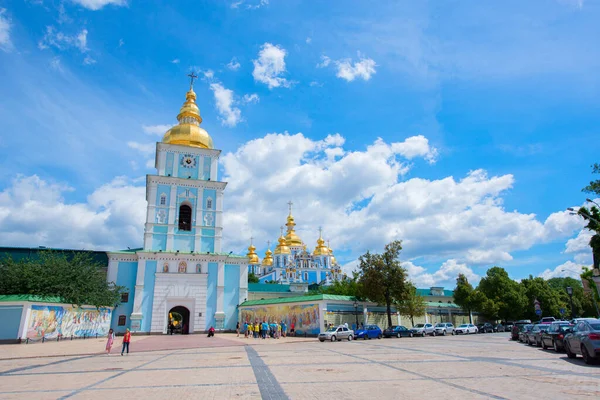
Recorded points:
(126,340)
(237,329)
(246,330)
(110,341)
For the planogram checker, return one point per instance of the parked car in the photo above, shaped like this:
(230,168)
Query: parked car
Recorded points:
(485,328)
(465,329)
(516,328)
(498,328)
(398,331)
(339,333)
(369,332)
(423,329)
(547,320)
(555,335)
(444,328)
(534,336)
(523,331)
(584,339)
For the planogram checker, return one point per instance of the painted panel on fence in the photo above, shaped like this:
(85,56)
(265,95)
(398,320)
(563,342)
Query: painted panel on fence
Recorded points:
(305,317)
(51,321)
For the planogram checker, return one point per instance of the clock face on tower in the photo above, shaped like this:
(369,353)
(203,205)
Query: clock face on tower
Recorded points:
(188,161)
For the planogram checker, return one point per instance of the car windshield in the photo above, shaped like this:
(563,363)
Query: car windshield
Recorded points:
(332,329)
(439,325)
(419,326)
(393,327)
(464,326)
(595,327)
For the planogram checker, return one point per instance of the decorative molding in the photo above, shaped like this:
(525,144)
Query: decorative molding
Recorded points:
(184,182)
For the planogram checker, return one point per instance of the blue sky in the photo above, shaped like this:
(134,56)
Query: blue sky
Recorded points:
(463,128)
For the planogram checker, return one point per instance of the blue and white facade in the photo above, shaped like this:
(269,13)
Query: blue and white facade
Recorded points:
(181,263)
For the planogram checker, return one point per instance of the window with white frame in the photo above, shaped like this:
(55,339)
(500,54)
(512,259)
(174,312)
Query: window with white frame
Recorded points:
(163,199)
(209,203)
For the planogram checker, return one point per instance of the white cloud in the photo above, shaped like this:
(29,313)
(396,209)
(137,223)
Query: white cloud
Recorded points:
(416,146)
(445,276)
(55,64)
(175,61)
(308,40)
(158,130)
(88,60)
(567,269)
(580,243)
(315,84)
(146,149)
(491,256)
(234,65)
(95,5)
(5,25)
(251,98)
(325,61)
(348,70)
(250,4)
(230,115)
(61,41)
(270,66)
(33,212)
(121,42)
(208,74)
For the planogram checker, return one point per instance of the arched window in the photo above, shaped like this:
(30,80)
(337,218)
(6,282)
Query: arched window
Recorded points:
(208,203)
(163,199)
(185,218)
(306,276)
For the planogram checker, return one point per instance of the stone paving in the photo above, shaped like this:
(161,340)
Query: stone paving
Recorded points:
(190,367)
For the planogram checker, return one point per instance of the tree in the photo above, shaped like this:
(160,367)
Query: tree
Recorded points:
(592,216)
(75,277)
(583,303)
(465,296)
(594,186)
(252,278)
(550,298)
(382,279)
(414,304)
(345,287)
(505,295)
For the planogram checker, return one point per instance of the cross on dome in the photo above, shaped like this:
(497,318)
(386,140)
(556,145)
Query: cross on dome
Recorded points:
(290,204)
(192,77)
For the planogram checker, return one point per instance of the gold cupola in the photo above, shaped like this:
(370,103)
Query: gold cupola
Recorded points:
(252,256)
(268,260)
(291,238)
(333,260)
(282,247)
(188,132)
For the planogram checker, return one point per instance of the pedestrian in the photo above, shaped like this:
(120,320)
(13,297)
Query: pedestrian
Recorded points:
(211,332)
(283,329)
(110,341)
(237,329)
(256,330)
(246,330)
(346,325)
(292,330)
(126,340)
(278,331)
(171,327)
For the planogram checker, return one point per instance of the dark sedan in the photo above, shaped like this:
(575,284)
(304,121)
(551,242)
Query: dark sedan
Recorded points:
(516,328)
(523,331)
(555,335)
(534,336)
(584,339)
(398,331)
(485,328)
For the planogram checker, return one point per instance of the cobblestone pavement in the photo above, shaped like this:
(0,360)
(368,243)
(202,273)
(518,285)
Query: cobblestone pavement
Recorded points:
(452,367)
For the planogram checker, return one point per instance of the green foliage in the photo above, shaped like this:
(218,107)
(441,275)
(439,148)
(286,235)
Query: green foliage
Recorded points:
(505,297)
(413,305)
(583,303)
(345,287)
(550,298)
(252,278)
(75,277)
(594,186)
(382,279)
(466,297)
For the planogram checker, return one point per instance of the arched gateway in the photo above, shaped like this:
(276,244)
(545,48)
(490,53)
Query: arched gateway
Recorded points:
(179,320)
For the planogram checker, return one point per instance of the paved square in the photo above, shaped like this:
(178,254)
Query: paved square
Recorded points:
(455,367)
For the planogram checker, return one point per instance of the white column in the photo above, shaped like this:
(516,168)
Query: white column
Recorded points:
(172,212)
(151,210)
(214,166)
(220,314)
(175,164)
(113,268)
(243,283)
(199,221)
(139,288)
(162,163)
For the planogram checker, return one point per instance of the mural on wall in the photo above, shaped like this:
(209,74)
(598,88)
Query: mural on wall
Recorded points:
(305,317)
(51,321)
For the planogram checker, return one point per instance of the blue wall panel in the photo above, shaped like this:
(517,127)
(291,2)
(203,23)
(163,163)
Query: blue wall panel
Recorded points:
(323,275)
(208,245)
(169,166)
(206,168)
(148,294)
(159,242)
(211,295)
(126,274)
(184,243)
(231,295)
(11,319)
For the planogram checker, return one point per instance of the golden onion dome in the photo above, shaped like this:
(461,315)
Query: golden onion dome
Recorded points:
(333,260)
(188,132)
(268,260)
(321,249)
(252,256)
(291,238)
(282,247)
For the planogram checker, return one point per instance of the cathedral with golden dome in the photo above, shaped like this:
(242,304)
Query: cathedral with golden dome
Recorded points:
(291,262)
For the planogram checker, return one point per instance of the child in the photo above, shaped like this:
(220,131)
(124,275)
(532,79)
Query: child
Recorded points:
(126,340)
(110,341)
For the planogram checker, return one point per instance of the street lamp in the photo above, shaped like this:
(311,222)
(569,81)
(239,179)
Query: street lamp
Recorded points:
(570,293)
(440,313)
(356,312)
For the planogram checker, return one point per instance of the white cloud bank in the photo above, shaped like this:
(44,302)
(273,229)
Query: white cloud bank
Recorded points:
(5,25)
(229,114)
(270,65)
(95,5)
(350,70)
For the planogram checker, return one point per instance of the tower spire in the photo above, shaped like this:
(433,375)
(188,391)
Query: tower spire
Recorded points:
(290,204)
(192,77)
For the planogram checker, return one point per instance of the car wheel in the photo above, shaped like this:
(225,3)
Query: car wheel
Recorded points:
(443,333)
(321,340)
(398,335)
(555,345)
(538,344)
(586,356)
(379,336)
(410,334)
(349,338)
(570,354)
(453,333)
(433,333)
(333,338)
(365,337)
(544,345)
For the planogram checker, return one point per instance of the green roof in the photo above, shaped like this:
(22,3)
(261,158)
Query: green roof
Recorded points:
(427,292)
(434,304)
(268,287)
(282,300)
(30,297)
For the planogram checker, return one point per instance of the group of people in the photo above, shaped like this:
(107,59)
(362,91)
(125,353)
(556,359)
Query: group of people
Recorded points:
(265,329)
(111,340)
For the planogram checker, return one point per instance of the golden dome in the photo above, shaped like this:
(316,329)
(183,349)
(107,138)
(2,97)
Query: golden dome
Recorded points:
(252,256)
(282,247)
(291,238)
(333,260)
(321,249)
(188,131)
(268,260)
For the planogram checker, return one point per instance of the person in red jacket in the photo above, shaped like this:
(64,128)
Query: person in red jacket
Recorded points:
(126,340)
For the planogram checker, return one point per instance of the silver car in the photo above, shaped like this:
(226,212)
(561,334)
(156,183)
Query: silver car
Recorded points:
(423,329)
(339,333)
(444,328)
(584,339)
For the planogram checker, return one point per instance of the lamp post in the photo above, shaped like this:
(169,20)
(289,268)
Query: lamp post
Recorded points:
(570,293)
(440,313)
(356,312)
